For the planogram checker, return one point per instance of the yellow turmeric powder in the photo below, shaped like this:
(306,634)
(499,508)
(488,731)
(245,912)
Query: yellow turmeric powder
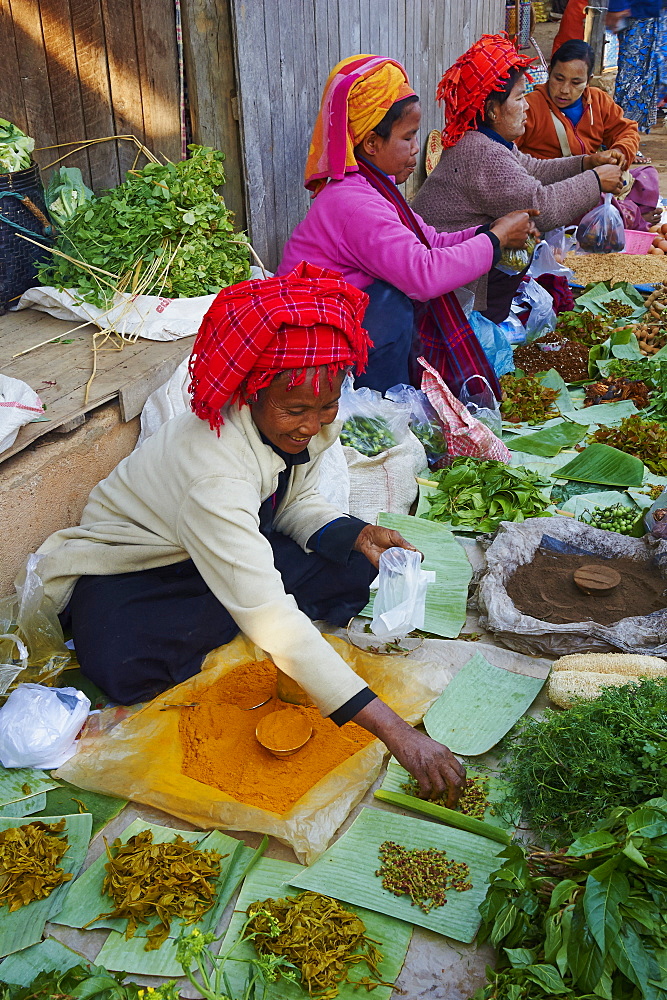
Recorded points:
(285,729)
(220,747)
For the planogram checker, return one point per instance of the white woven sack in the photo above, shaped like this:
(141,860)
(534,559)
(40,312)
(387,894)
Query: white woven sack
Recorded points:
(19,404)
(385,482)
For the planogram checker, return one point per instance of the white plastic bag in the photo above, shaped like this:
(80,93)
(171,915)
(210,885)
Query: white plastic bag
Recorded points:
(482,404)
(400,602)
(19,404)
(545,262)
(38,725)
(542,319)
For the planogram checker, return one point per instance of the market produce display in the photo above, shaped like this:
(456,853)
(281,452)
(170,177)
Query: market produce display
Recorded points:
(480,495)
(526,399)
(638,269)
(318,936)
(582,676)
(645,439)
(163,231)
(583,326)
(659,245)
(368,435)
(15,148)
(609,390)
(30,859)
(473,801)
(614,518)
(551,350)
(424,875)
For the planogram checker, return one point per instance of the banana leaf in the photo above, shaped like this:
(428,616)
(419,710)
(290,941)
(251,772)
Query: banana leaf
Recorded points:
(346,870)
(554,380)
(272,879)
(600,463)
(479,706)
(21,968)
(24,927)
(495,818)
(446,599)
(66,798)
(23,791)
(549,441)
(605,414)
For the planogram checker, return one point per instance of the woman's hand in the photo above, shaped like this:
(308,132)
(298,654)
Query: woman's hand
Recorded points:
(514,229)
(432,764)
(604,156)
(610,177)
(373,540)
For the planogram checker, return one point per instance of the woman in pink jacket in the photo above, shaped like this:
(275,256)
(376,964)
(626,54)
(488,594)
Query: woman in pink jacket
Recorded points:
(364,144)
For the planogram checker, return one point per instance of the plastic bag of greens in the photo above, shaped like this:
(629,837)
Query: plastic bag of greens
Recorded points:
(601,230)
(513,261)
(480,401)
(423,420)
(400,602)
(65,194)
(366,426)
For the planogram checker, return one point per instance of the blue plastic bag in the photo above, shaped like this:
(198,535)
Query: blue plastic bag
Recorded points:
(495,343)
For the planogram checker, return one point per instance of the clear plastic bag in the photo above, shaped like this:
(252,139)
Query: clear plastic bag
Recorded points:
(401,598)
(545,262)
(368,426)
(483,405)
(39,725)
(32,647)
(513,261)
(423,420)
(601,230)
(561,241)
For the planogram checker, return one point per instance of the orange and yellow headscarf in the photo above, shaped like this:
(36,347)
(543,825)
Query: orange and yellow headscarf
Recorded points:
(359,92)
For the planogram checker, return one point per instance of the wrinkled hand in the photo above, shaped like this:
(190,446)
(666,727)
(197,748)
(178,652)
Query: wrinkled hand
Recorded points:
(604,156)
(611,180)
(514,229)
(373,540)
(433,765)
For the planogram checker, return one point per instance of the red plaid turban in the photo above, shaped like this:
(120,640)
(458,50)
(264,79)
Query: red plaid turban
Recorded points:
(467,84)
(256,329)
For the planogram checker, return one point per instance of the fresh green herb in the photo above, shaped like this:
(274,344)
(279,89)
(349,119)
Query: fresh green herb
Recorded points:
(480,495)
(526,399)
(652,371)
(368,435)
(424,875)
(92,982)
(584,327)
(65,194)
(583,922)
(164,231)
(567,769)
(15,148)
(645,439)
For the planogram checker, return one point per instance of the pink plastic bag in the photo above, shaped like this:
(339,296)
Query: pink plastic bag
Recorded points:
(463,433)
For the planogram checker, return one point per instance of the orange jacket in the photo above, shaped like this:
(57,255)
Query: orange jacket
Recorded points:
(572,23)
(602,124)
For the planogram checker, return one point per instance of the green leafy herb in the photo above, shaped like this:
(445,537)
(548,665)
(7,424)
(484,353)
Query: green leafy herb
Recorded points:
(89,982)
(645,439)
(65,194)
(15,148)
(526,399)
(165,231)
(480,495)
(567,769)
(584,327)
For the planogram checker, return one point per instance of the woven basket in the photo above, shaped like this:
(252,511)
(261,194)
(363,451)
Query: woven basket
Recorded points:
(22,209)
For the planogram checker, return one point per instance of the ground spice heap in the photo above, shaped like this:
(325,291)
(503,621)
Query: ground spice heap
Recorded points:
(544,588)
(318,936)
(29,860)
(473,801)
(570,359)
(220,748)
(424,875)
(638,269)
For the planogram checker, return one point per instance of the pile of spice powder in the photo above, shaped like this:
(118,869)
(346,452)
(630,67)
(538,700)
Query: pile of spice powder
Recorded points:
(423,874)
(220,748)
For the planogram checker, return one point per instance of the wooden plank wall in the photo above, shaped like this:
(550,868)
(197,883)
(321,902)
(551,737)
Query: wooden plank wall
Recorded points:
(284,51)
(84,69)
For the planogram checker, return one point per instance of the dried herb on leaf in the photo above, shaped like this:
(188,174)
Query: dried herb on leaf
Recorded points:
(319,937)
(473,801)
(423,875)
(526,399)
(646,439)
(29,862)
(173,879)
(608,390)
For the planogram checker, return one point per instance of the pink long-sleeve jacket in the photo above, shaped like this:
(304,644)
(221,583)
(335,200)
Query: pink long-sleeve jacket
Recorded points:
(351,228)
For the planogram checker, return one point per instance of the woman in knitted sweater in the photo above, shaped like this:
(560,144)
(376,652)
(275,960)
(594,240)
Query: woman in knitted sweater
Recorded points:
(482,175)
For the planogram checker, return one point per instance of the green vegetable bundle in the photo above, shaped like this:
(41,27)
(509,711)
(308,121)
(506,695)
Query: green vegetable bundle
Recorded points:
(65,194)
(645,439)
(567,769)
(615,518)
(15,148)
(164,231)
(586,922)
(368,435)
(526,399)
(474,494)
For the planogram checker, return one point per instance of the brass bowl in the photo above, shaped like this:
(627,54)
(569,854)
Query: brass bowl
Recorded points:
(288,751)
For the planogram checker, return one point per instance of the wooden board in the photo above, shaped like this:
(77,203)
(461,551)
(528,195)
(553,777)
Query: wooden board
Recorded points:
(58,372)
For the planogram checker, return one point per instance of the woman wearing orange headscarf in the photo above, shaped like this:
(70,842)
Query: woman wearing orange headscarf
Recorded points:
(364,144)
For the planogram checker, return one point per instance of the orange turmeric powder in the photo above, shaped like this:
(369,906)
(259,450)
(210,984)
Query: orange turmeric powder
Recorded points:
(285,729)
(220,747)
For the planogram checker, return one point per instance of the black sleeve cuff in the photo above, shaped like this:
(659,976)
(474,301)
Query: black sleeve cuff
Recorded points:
(351,707)
(336,539)
(497,249)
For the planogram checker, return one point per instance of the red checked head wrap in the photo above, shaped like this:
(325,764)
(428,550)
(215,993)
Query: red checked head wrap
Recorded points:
(474,76)
(256,329)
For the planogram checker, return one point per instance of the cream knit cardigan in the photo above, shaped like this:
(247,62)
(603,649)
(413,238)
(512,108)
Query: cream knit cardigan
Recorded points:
(187,493)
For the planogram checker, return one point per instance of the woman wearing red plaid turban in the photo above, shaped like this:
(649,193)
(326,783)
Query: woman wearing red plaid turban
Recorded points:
(215,524)
(482,175)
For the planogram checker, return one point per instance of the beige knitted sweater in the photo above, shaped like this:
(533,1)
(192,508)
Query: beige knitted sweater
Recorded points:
(478,180)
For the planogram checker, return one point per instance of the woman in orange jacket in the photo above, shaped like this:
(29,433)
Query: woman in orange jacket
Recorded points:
(566,117)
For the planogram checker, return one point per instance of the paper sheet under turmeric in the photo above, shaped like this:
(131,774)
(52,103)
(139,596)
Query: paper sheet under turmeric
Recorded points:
(220,747)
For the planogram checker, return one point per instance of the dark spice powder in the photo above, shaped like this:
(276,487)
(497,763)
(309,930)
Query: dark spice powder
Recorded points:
(570,361)
(544,589)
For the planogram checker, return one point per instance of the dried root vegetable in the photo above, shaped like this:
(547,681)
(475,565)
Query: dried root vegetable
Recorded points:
(646,439)
(473,801)
(319,937)
(29,862)
(173,879)
(609,390)
(424,875)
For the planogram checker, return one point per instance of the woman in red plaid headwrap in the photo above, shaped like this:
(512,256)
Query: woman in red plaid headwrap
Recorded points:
(482,175)
(215,524)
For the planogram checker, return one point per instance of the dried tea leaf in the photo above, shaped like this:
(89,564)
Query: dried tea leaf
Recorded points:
(170,879)
(29,859)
